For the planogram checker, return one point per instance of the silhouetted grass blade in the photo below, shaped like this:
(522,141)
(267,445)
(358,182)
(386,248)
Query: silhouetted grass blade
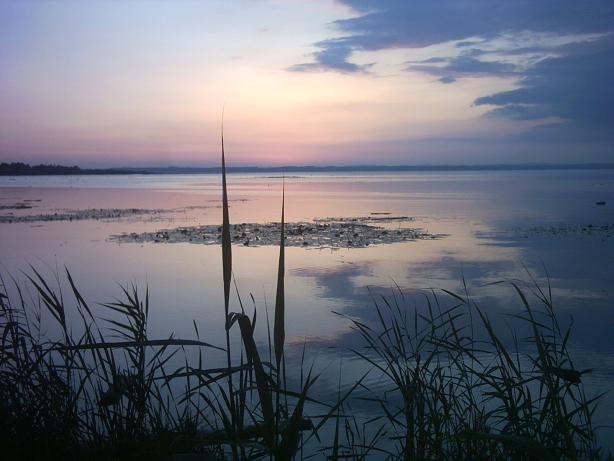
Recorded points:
(262,379)
(226,242)
(279,332)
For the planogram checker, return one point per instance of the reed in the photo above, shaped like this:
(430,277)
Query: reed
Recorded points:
(227,276)
(458,390)
(279,330)
(85,394)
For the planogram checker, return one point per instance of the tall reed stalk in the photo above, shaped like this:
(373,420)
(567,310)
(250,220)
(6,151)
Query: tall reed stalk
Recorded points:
(227,275)
(279,327)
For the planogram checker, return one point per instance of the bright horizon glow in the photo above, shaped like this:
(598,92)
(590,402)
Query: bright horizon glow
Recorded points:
(143,83)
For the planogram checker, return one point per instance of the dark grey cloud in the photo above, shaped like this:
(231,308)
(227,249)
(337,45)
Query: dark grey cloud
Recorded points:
(517,111)
(576,87)
(462,66)
(447,79)
(332,56)
(403,23)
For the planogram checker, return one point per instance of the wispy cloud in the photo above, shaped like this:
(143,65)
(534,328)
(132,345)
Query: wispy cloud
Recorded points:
(450,69)
(333,55)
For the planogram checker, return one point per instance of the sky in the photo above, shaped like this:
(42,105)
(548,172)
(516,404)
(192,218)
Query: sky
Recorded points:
(306,82)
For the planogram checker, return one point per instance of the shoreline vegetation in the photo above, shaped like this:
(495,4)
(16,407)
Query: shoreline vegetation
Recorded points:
(23,169)
(451,386)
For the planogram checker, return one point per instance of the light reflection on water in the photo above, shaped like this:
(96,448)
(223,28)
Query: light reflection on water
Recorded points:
(471,208)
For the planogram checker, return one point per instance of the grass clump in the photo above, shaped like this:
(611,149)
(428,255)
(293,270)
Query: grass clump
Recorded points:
(91,393)
(451,387)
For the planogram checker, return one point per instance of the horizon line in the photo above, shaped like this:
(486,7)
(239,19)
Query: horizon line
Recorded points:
(56,169)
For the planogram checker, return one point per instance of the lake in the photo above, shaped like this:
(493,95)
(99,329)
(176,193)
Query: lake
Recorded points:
(490,226)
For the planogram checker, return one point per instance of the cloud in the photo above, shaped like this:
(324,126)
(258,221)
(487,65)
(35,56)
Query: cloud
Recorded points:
(447,79)
(576,87)
(560,53)
(386,24)
(401,23)
(332,56)
(452,69)
(517,111)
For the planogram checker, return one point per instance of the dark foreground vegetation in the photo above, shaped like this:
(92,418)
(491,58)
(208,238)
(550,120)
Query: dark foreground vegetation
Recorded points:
(453,388)
(108,392)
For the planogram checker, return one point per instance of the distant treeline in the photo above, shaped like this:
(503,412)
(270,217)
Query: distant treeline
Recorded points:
(18,168)
(376,168)
(23,169)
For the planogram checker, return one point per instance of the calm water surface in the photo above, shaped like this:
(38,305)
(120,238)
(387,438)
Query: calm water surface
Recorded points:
(487,217)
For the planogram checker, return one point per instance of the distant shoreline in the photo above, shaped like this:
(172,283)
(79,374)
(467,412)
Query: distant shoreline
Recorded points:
(21,169)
